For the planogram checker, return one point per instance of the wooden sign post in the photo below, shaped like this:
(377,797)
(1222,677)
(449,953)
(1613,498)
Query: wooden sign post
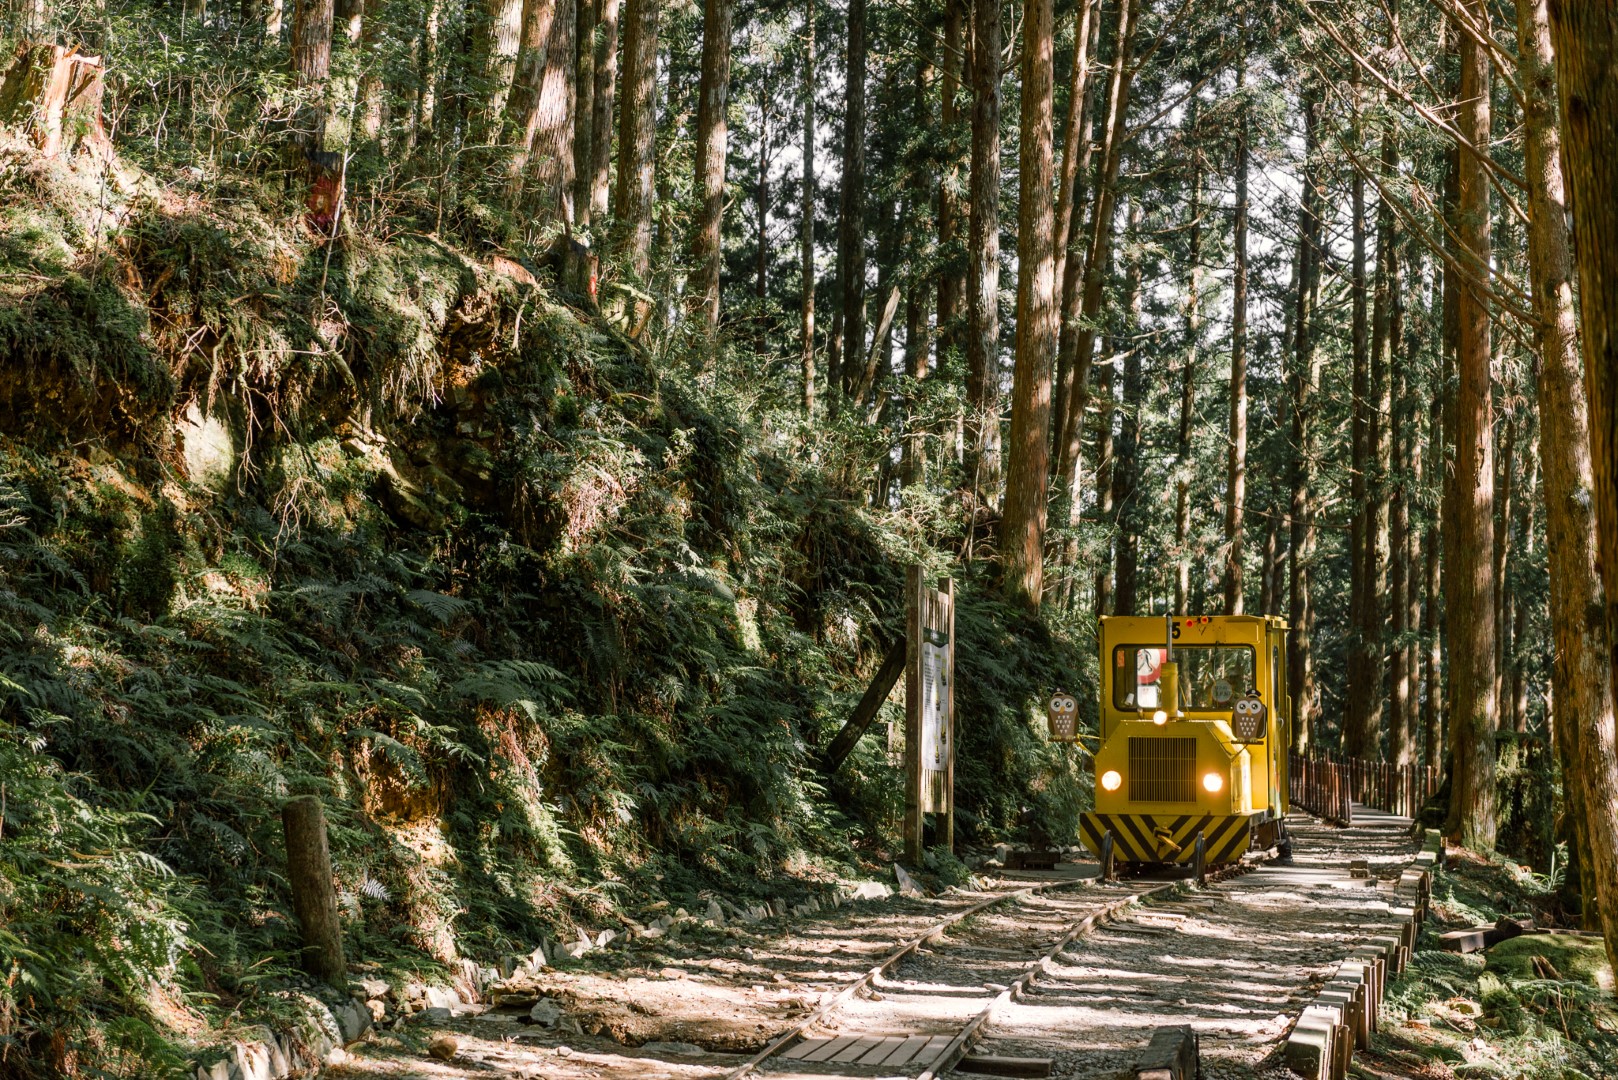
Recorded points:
(929,710)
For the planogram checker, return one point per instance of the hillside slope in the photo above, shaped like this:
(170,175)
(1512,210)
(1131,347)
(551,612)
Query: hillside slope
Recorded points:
(554,625)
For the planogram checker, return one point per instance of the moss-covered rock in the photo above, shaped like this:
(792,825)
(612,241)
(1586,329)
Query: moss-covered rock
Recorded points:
(1570,958)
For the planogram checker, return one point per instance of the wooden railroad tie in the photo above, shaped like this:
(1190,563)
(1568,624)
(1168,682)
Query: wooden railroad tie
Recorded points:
(1171,1055)
(995,1065)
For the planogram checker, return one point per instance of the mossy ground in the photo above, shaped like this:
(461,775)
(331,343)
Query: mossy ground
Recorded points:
(1539,1006)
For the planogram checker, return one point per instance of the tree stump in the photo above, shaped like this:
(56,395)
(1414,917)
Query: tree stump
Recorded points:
(314,895)
(54,94)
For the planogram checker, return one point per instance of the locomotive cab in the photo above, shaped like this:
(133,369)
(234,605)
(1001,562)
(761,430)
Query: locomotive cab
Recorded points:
(1195,721)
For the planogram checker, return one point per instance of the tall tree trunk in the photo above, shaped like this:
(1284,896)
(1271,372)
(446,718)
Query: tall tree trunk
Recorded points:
(707,253)
(1469,543)
(426,105)
(920,291)
(1387,338)
(1359,740)
(497,39)
(311,67)
(1126,468)
(1104,471)
(601,105)
(806,226)
(983,252)
(1077,340)
(1188,386)
(1505,501)
(1519,612)
(1401,736)
(1076,150)
(851,212)
(1576,437)
(1305,378)
(761,235)
(1270,574)
(584,129)
(1022,531)
(951,210)
(544,147)
(1411,494)
(1236,460)
(637,136)
(527,90)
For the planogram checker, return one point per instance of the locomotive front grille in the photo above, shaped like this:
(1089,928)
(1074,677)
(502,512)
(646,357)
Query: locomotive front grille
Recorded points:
(1163,770)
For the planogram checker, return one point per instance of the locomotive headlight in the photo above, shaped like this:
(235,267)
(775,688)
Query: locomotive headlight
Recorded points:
(1213,783)
(1111,780)
(1160,718)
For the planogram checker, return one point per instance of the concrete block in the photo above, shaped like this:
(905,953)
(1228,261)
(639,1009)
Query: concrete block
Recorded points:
(1310,1048)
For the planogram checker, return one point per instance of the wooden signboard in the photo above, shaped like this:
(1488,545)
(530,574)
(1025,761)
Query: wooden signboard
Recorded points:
(929,710)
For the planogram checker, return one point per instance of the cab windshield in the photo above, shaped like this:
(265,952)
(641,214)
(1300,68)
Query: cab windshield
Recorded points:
(1212,677)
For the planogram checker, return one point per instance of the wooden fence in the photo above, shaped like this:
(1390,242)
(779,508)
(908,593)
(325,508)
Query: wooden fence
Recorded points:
(1321,786)
(1328,787)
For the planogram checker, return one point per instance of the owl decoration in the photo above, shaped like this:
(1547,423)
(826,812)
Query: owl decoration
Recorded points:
(1063,716)
(1249,718)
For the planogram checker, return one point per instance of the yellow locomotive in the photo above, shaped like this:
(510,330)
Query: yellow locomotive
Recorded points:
(1195,724)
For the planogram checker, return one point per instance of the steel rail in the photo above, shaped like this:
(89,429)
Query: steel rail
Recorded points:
(951,1054)
(865,980)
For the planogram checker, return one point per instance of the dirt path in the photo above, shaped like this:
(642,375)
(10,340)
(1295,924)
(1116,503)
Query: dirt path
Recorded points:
(1235,961)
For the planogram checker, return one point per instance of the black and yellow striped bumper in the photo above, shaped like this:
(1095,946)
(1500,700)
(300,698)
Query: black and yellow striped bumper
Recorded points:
(1159,838)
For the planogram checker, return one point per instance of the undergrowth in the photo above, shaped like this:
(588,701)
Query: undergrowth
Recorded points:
(1532,1007)
(551,626)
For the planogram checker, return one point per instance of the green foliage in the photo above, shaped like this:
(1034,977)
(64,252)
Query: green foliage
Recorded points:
(548,625)
(1539,1005)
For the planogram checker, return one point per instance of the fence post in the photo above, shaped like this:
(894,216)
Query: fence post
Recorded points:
(314,894)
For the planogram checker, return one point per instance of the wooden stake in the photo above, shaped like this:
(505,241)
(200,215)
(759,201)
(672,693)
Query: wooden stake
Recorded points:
(913,640)
(314,894)
(949,767)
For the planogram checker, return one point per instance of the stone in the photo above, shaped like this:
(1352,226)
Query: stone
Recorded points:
(442,997)
(369,988)
(605,938)
(250,1061)
(515,999)
(546,1013)
(444,1047)
(652,932)
(673,973)
(872,890)
(716,914)
(353,1020)
(907,884)
(435,1014)
(279,1065)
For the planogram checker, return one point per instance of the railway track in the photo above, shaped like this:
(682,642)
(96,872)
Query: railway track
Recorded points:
(912,1014)
(1079,975)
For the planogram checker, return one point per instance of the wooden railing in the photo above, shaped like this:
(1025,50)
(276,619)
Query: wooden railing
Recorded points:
(1328,787)
(1321,786)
